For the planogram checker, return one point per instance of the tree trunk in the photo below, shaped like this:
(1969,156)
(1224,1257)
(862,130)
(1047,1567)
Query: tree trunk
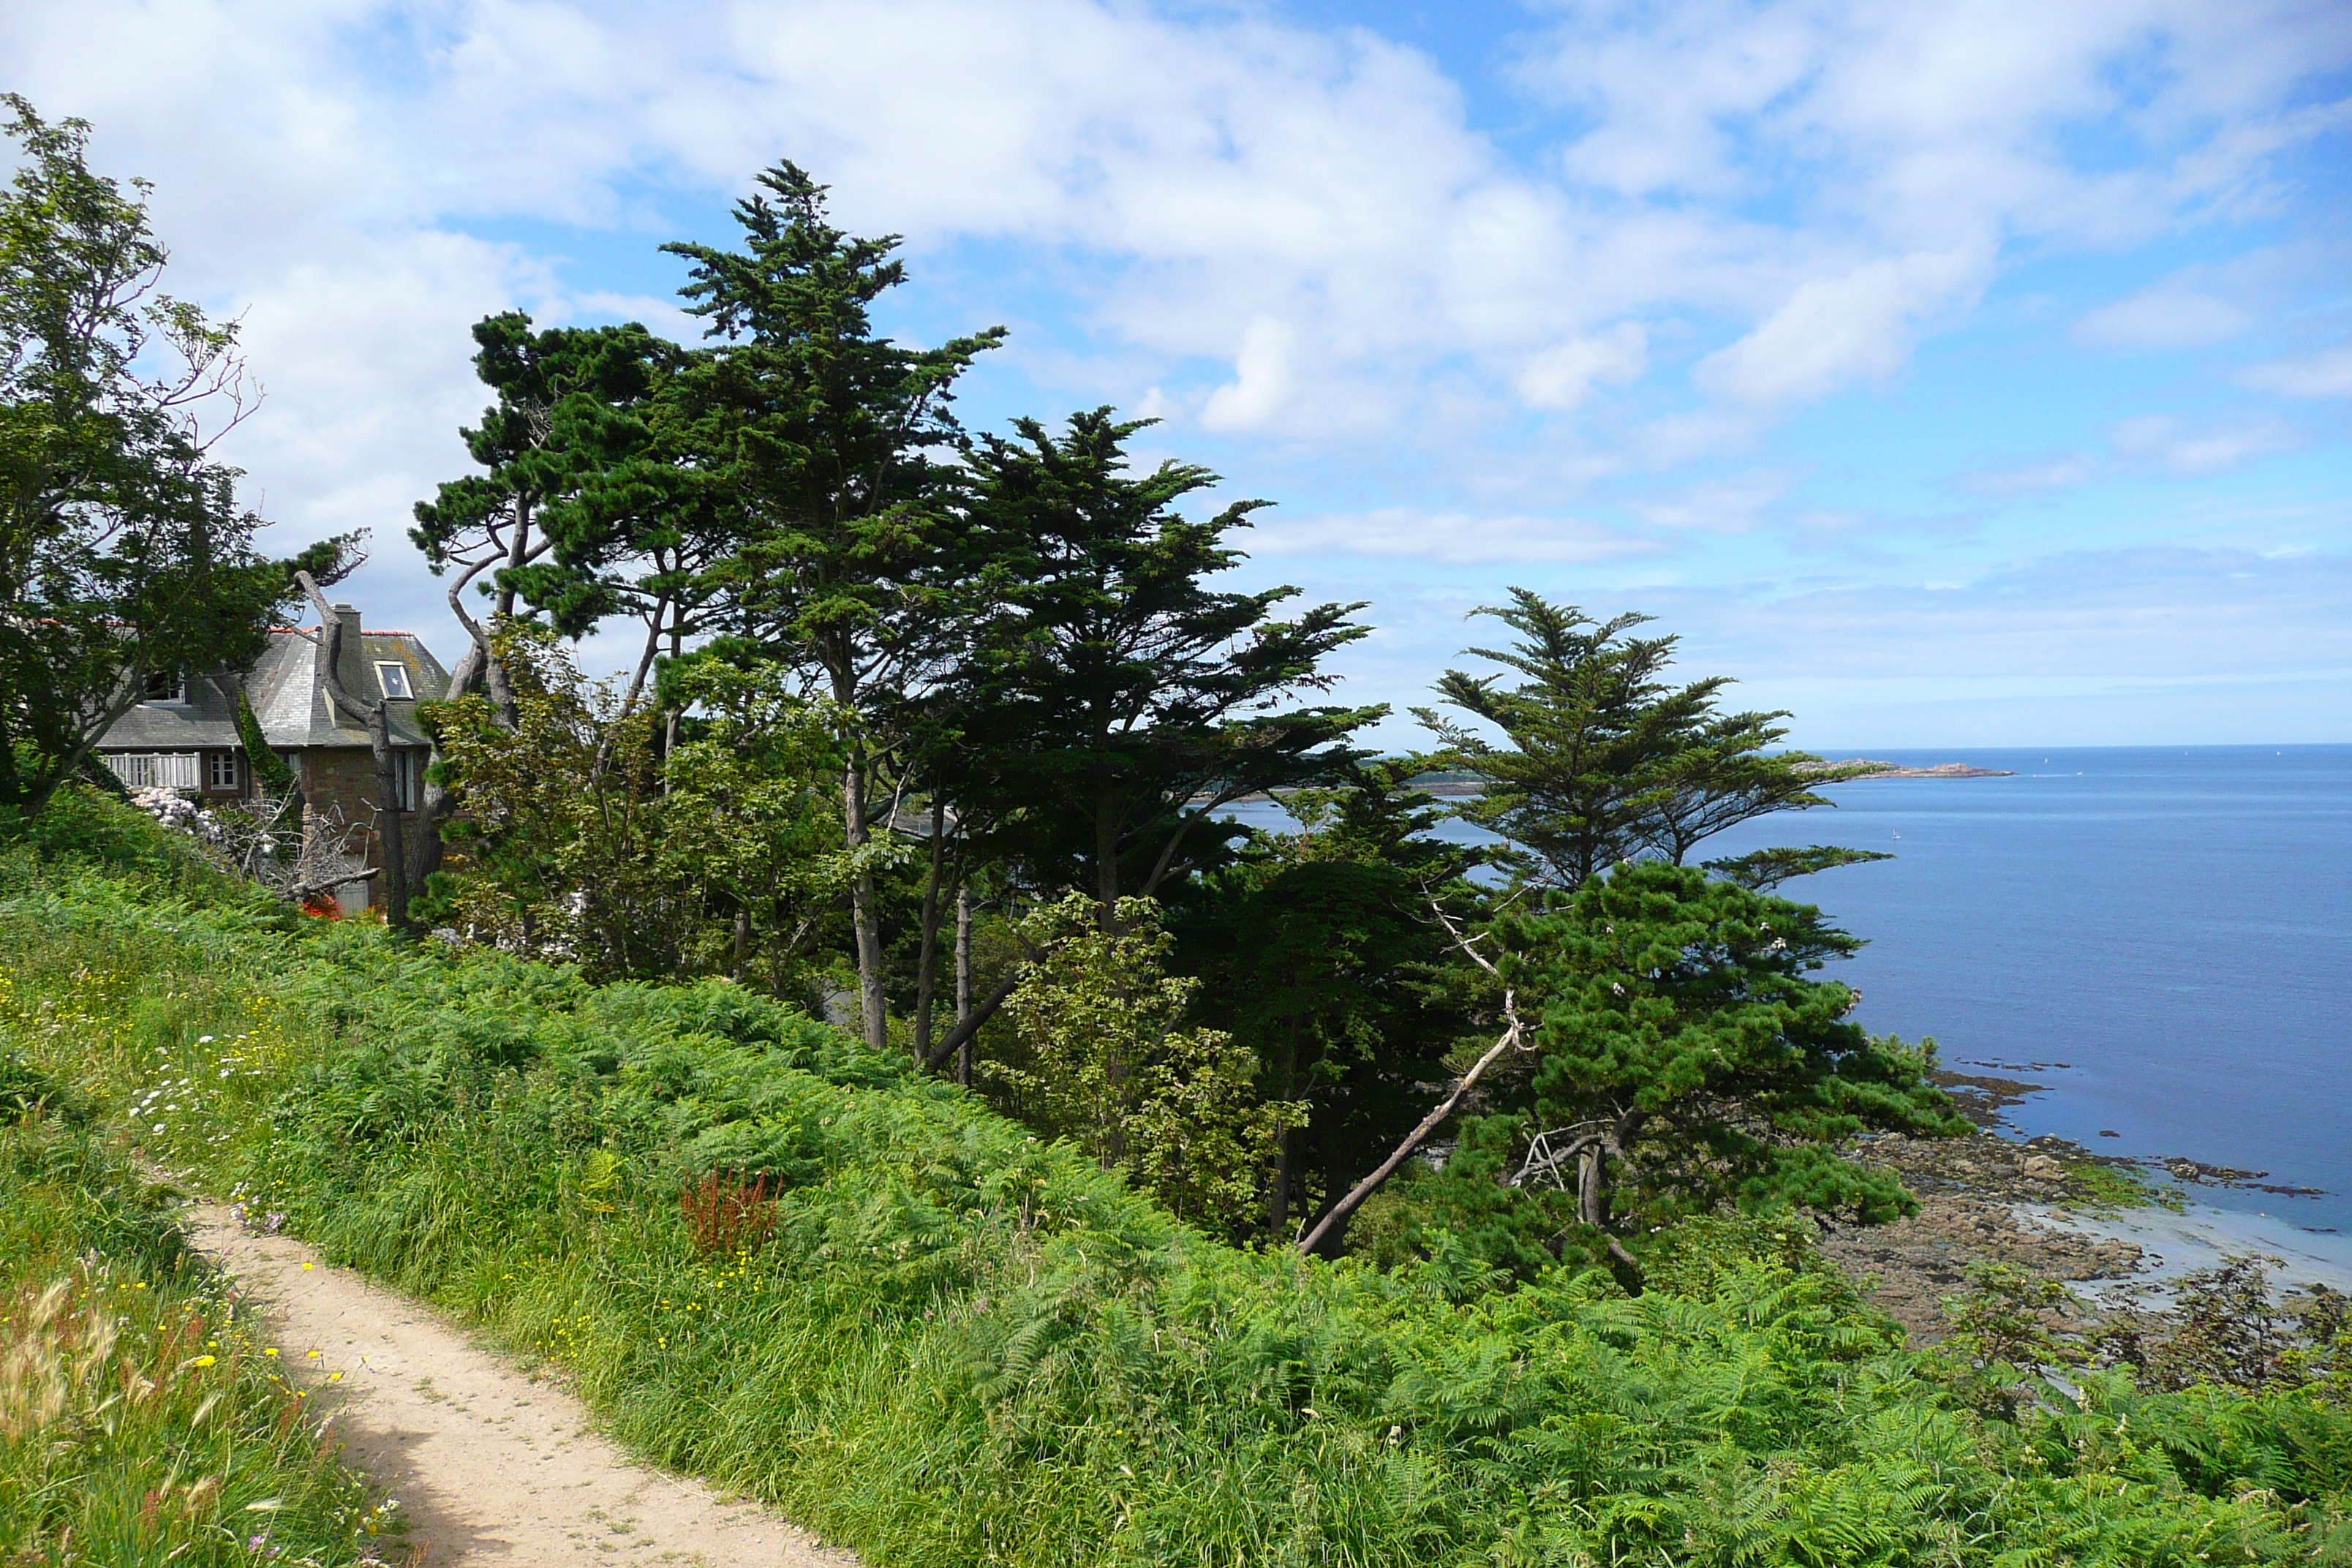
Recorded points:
(477,668)
(864,915)
(387,793)
(518,554)
(1106,862)
(1333,1225)
(1278,1196)
(1285,1149)
(438,800)
(926,962)
(959,1038)
(963,984)
(1593,1195)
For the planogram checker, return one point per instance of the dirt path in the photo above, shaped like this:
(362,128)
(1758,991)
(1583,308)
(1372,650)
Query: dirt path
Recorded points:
(490,1467)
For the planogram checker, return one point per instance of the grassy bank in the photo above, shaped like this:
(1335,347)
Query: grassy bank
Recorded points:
(771,1258)
(142,1420)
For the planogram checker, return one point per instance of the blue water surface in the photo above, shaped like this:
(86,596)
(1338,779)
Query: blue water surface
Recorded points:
(2160,937)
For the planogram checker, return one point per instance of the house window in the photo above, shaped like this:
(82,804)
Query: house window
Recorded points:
(163,686)
(155,770)
(220,771)
(407,777)
(393,680)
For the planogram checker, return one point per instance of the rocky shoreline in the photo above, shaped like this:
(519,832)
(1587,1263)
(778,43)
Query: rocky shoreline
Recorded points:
(1973,1194)
(1898,771)
(2055,1209)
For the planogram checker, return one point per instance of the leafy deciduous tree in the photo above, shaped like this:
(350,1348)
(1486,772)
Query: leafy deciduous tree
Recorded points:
(1178,1109)
(582,840)
(124,549)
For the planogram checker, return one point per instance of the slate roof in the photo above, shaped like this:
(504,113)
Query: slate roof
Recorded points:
(289,698)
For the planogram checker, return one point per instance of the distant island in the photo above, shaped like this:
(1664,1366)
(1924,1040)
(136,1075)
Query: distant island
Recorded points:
(1897,771)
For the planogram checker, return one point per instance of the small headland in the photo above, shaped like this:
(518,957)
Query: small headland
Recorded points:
(1900,771)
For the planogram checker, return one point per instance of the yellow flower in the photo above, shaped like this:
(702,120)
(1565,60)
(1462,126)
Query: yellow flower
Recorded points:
(206,1360)
(271,1351)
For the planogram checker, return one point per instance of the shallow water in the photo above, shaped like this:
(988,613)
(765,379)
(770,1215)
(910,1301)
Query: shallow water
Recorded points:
(2159,937)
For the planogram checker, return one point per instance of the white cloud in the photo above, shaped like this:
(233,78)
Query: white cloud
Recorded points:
(2038,477)
(2326,374)
(1452,537)
(1263,387)
(1842,328)
(1560,378)
(2161,442)
(1724,506)
(1292,235)
(1830,177)
(1934,125)
(2164,317)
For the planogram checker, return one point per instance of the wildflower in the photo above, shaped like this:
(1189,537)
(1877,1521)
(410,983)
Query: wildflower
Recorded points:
(206,1360)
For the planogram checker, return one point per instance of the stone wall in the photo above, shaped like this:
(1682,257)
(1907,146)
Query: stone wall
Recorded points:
(343,778)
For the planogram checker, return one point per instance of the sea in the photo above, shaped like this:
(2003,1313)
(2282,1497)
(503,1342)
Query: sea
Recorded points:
(2158,941)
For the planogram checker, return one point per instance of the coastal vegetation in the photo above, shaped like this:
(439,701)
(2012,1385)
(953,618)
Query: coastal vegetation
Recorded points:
(925,1331)
(860,1045)
(144,1417)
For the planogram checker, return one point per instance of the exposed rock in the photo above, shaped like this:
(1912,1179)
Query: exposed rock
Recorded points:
(1970,1191)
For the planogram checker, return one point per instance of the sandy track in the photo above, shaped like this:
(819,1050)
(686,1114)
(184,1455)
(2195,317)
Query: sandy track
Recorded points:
(490,1467)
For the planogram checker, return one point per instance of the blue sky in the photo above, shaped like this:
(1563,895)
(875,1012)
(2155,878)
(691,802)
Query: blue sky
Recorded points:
(1967,374)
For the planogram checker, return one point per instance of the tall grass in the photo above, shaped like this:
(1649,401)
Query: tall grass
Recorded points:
(926,1334)
(142,1419)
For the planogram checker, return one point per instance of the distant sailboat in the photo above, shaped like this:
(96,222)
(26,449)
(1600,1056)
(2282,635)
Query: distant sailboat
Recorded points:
(1899,833)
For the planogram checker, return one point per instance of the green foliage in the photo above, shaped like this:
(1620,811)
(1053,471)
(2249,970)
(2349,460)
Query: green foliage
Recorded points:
(580,841)
(560,426)
(1319,952)
(957,1345)
(1679,1032)
(1762,870)
(140,1419)
(2230,1327)
(270,770)
(1110,678)
(123,548)
(1177,1109)
(1606,761)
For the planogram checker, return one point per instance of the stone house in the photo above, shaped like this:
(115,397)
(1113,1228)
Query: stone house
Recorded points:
(184,735)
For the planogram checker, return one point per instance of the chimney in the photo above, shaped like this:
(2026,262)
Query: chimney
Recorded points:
(350,616)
